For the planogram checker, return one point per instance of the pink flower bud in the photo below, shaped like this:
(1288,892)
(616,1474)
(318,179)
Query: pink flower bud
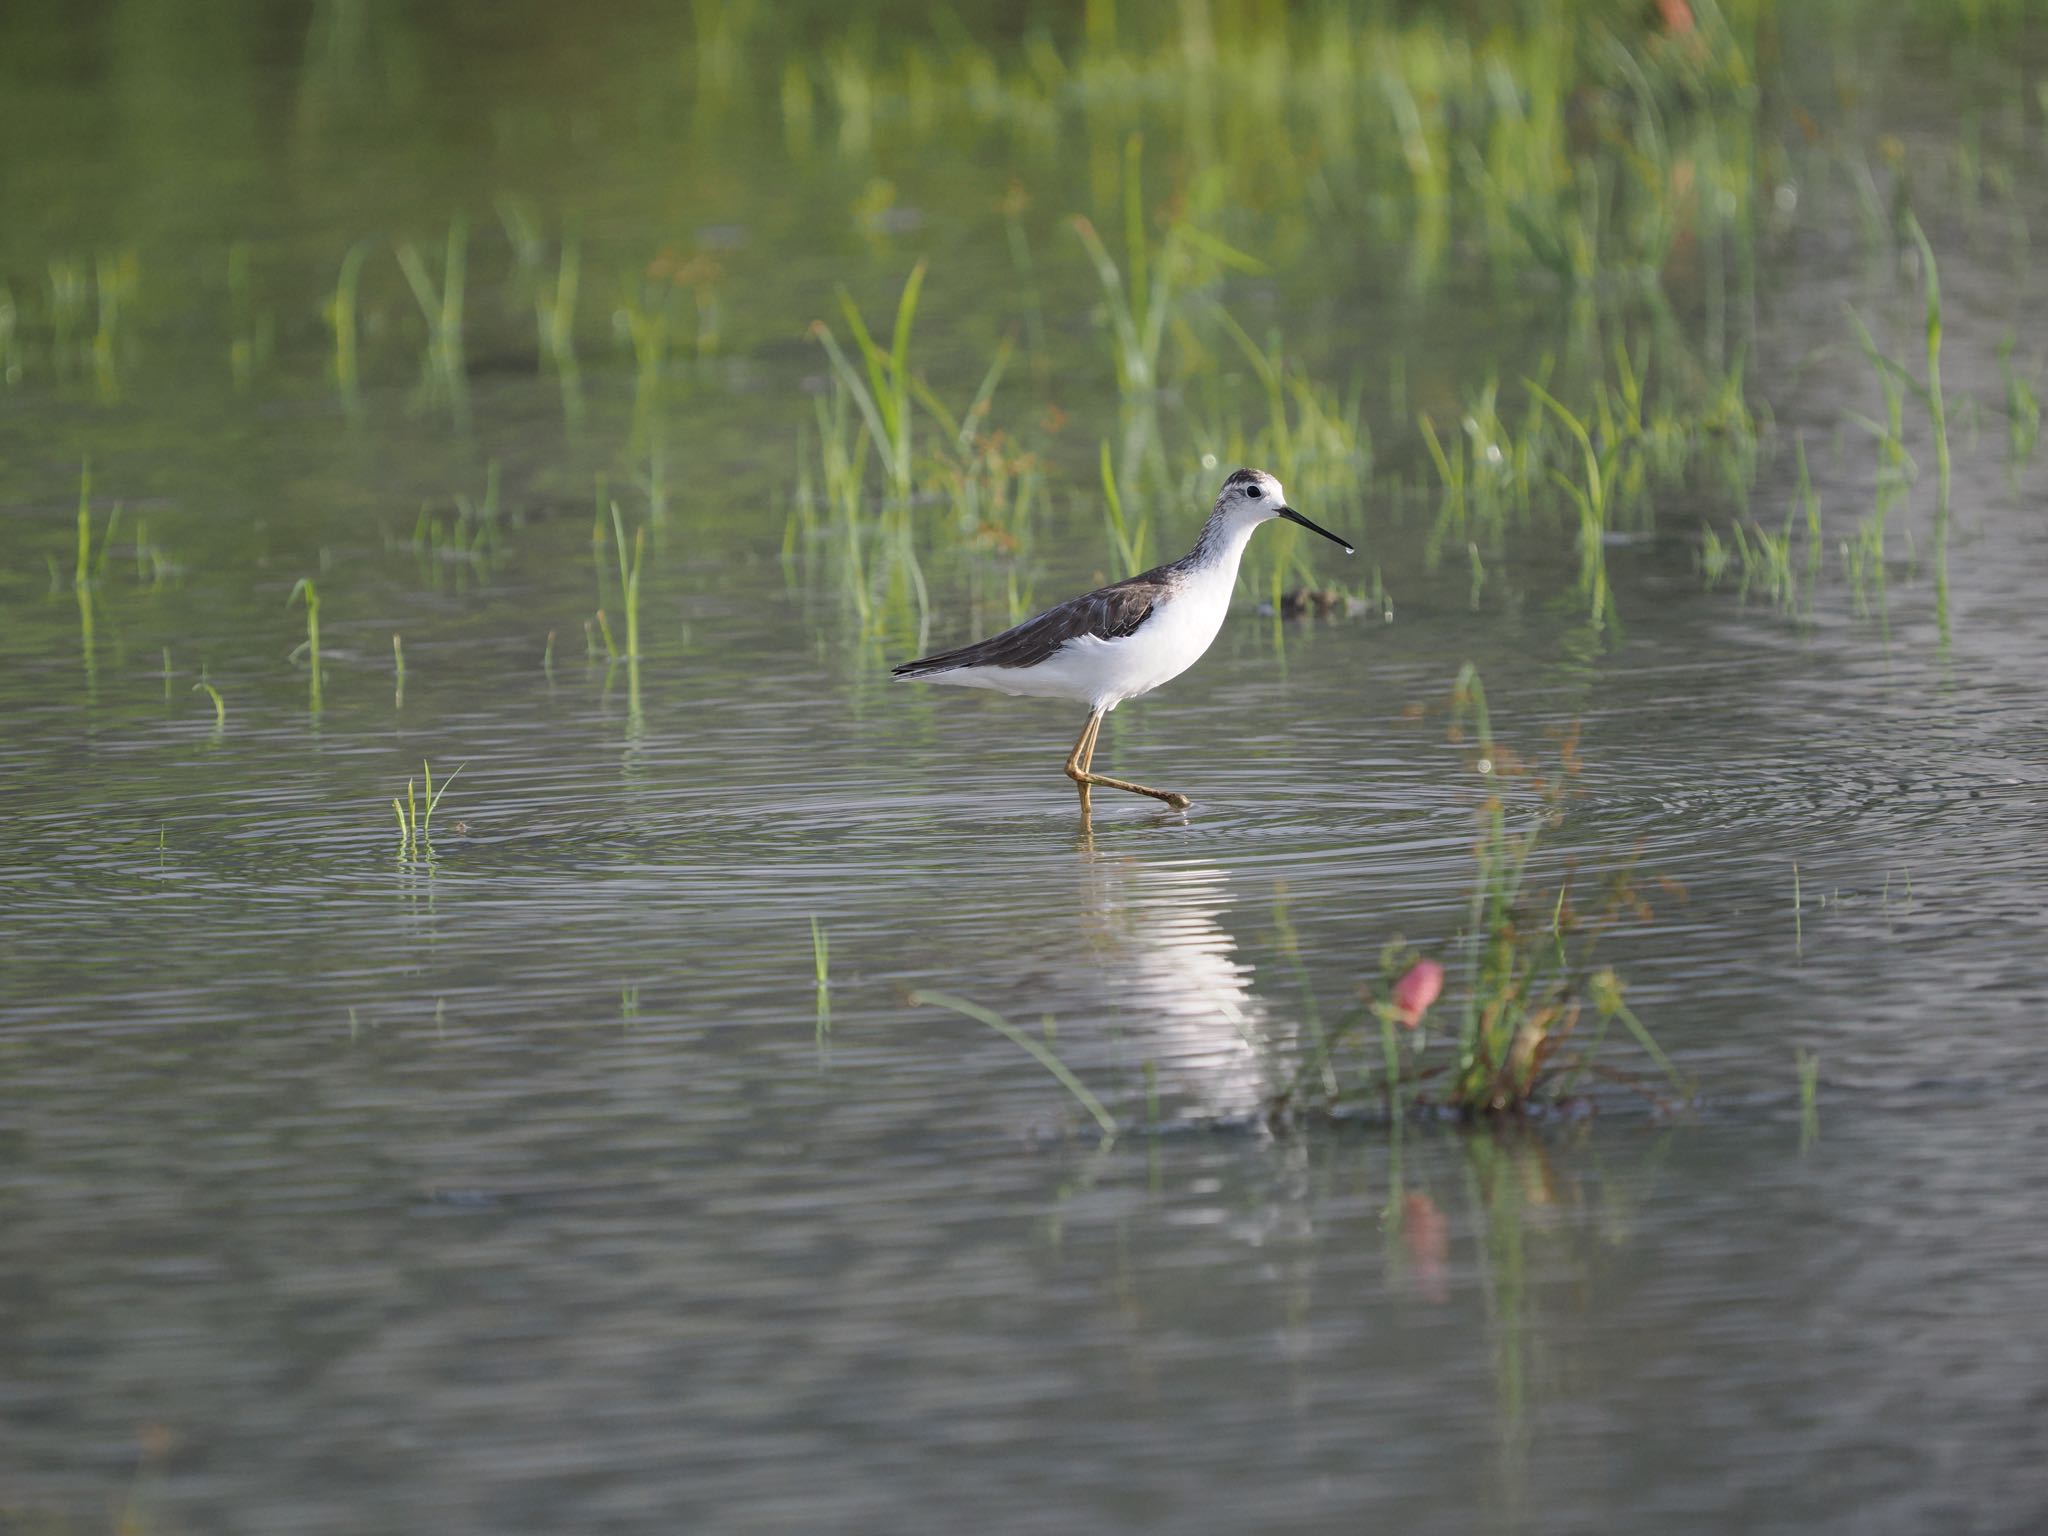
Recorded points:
(1419,986)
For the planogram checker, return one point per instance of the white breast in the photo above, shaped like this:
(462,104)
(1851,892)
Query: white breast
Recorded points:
(1172,639)
(1103,673)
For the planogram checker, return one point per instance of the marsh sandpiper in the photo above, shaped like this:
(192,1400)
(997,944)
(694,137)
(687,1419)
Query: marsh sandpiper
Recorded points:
(1127,638)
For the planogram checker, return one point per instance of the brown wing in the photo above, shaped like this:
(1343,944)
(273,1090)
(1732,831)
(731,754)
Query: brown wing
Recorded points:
(1106,613)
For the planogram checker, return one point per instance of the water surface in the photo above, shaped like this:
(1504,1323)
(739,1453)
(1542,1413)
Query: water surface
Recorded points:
(525,1184)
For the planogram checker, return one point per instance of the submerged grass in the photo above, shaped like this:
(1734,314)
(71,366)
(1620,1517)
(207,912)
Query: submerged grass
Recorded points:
(1808,1063)
(1038,1050)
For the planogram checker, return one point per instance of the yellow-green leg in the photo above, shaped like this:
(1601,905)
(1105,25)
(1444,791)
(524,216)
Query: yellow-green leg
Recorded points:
(1079,769)
(1078,759)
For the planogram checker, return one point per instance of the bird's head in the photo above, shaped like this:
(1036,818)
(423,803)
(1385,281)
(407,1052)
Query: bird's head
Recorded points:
(1251,496)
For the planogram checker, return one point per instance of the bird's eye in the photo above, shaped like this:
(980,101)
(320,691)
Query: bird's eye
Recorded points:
(1254,492)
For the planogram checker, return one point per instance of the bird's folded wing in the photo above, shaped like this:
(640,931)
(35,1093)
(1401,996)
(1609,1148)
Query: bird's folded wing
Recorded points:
(1109,613)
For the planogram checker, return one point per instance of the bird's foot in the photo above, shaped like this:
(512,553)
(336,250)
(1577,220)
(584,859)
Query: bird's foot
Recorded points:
(1084,778)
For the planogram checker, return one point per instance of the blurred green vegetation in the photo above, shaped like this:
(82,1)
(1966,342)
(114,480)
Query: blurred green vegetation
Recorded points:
(1475,280)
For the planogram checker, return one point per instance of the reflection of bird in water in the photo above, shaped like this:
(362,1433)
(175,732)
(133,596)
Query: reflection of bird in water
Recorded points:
(1172,976)
(1127,638)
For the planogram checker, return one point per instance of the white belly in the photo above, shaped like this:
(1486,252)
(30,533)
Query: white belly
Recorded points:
(1103,673)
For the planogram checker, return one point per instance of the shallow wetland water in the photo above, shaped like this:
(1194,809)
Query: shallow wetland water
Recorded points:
(526,1178)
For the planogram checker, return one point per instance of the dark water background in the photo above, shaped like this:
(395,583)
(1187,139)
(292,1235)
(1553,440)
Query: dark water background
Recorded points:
(522,1188)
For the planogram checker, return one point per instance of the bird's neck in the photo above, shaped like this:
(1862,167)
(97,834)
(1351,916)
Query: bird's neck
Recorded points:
(1221,545)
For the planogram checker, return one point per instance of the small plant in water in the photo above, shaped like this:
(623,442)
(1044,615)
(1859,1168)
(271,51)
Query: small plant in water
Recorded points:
(629,583)
(415,824)
(220,708)
(1809,1097)
(821,967)
(2022,411)
(1529,978)
(91,567)
(1039,1050)
(1535,1009)
(443,371)
(340,312)
(310,594)
(884,392)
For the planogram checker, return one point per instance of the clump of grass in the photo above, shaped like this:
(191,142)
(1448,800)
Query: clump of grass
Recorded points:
(555,317)
(1863,557)
(882,389)
(1486,469)
(1129,546)
(1139,299)
(1896,468)
(341,310)
(2022,412)
(1763,559)
(306,592)
(1144,299)
(1591,499)
(1937,414)
(551,295)
(870,412)
(415,824)
(91,567)
(470,535)
(441,306)
(642,317)
(1537,1006)
(990,484)
(1531,983)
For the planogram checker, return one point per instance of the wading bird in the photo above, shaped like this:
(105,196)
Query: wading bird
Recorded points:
(1127,638)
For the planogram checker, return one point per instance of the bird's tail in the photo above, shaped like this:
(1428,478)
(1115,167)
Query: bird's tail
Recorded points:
(925,666)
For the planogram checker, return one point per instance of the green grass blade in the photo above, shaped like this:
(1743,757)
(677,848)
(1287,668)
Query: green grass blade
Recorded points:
(1038,1049)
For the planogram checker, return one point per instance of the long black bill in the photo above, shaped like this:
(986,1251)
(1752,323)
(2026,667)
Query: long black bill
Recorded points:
(1295,517)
